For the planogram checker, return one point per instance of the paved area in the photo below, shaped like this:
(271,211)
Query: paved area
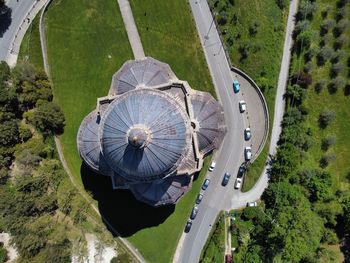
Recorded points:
(23,12)
(256,114)
(131,29)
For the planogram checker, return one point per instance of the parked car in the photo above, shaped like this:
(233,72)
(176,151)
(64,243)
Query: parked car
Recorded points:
(247,134)
(199,198)
(212,166)
(194,212)
(226,179)
(242,106)
(236,86)
(252,204)
(188,226)
(248,153)
(205,184)
(241,170)
(238,183)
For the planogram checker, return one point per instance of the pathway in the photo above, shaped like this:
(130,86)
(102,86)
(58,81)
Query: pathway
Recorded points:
(131,29)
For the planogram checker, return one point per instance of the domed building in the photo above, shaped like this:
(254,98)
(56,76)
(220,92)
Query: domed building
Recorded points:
(151,133)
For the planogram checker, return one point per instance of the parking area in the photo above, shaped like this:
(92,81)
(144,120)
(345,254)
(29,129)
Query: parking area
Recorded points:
(256,114)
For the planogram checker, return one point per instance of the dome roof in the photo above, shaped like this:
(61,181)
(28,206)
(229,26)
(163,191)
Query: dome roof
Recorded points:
(144,134)
(140,73)
(89,144)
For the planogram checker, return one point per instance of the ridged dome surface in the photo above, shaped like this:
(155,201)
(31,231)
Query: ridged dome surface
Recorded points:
(144,134)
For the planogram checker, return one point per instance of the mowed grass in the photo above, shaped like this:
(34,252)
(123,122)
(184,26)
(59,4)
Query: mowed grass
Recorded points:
(168,33)
(265,49)
(30,49)
(87,43)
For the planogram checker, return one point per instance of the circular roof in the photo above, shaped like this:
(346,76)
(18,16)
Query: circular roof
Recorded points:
(144,133)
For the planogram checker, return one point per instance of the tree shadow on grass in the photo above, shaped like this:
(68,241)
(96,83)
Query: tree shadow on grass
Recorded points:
(5,19)
(120,208)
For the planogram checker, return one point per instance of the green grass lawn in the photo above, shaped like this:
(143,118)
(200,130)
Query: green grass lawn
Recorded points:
(264,52)
(86,43)
(168,33)
(30,47)
(339,102)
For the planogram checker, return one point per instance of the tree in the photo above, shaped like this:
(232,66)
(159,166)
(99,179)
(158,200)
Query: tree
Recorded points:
(295,94)
(336,84)
(317,183)
(9,133)
(253,29)
(324,55)
(4,71)
(326,117)
(326,159)
(341,27)
(282,4)
(326,26)
(328,142)
(48,118)
(320,85)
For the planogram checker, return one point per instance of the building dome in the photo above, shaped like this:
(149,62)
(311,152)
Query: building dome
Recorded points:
(151,133)
(144,134)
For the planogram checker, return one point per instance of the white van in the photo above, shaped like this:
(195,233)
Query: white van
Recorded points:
(248,153)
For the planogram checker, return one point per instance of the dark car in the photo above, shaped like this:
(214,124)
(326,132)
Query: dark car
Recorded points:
(188,226)
(199,199)
(226,179)
(194,212)
(241,171)
(205,184)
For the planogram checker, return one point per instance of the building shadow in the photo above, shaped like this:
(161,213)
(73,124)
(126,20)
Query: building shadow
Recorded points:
(5,19)
(122,211)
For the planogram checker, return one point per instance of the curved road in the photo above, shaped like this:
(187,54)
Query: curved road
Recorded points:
(229,156)
(22,13)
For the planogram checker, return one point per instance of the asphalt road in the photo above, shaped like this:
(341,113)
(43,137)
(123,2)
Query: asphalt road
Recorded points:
(230,156)
(20,10)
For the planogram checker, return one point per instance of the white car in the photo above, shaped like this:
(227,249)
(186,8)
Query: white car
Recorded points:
(212,166)
(252,204)
(248,153)
(247,134)
(242,106)
(238,183)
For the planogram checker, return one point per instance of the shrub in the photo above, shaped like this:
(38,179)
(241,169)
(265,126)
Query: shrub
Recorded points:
(341,13)
(337,68)
(326,26)
(307,10)
(341,41)
(253,29)
(303,40)
(324,55)
(326,117)
(341,27)
(339,55)
(282,4)
(300,27)
(326,159)
(325,11)
(330,237)
(312,52)
(336,84)
(328,142)
(24,133)
(320,85)
(308,67)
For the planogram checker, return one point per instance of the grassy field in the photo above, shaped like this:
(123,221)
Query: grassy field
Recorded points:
(86,43)
(255,28)
(168,33)
(339,101)
(30,47)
